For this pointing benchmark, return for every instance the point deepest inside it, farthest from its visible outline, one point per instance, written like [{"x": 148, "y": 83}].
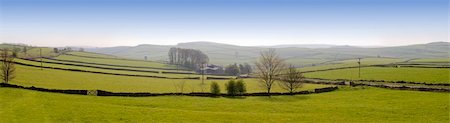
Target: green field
[
  {"x": 444, "y": 60},
  {"x": 428, "y": 75},
  {"x": 351, "y": 63},
  {"x": 89, "y": 54},
  {"x": 116, "y": 61},
  {"x": 109, "y": 66},
  {"x": 60, "y": 79},
  {"x": 346, "y": 105},
  {"x": 107, "y": 70}
]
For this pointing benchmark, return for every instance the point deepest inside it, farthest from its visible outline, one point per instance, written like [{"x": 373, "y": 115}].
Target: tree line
[
  {"x": 189, "y": 58},
  {"x": 235, "y": 69}
]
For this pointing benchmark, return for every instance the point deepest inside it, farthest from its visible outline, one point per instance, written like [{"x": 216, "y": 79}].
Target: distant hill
[
  {"x": 302, "y": 46},
  {"x": 228, "y": 54}
]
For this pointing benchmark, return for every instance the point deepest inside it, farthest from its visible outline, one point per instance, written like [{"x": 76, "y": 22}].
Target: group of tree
[
  {"x": 15, "y": 52},
  {"x": 234, "y": 69},
  {"x": 233, "y": 87},
  {"x": 271, "y": 68},
  {"x": 189, "y": 58},
  {"x": 62, "y": 50}
]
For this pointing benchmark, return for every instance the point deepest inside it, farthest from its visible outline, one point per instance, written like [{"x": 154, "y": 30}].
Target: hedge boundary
[
  {"x": 122, "y": 69},
  {"x": 130, "y": 94},
  {"x": 378, "y": 65},
  {"x": 387, "y": 81},
  {"x": 81, "y": 62},
  {"x": 124, "y": 59},
  {"x": 410, "y": 65},
  {"x": 401, "y": 87},
  {"x": 387, "y": 86},
  {"x": 118, "y": 74}
]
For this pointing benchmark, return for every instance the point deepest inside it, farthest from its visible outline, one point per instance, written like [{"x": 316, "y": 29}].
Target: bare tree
[
  {"x": 188, "y": 58},
  {"x": 269, "y": 67},
  {"x": 291, "y": 80},
  {"x": 7, "y": 66},
  {"x": 180, "y": 86}
]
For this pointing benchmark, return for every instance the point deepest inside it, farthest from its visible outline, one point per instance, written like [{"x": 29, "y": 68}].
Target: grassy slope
[
  {"x": 92, "y": 54},
  {"x": 444, "y": 60},
  {"x": 345, "y": 105},
  {"x": 429, "y": 75},
  {"x": 106, "y": 70},
  {"x": 106, "y": 66},
  {"x": 226, "y": 54},
  {"x": 115, "y": 62}
]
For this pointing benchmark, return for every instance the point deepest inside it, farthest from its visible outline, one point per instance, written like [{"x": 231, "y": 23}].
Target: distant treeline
[{"x": 189, "y": 58}]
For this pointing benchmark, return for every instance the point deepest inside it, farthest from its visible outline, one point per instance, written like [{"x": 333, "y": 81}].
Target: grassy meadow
[
  {"x": 89, "y": 54},
  {"x": 109, "y": 66},
  {"x": 108, "y": 70},
  {"x": 345, "y": 105},
  {"x": 115, "y": 61},
  {"x": 60, "y": 79},
  {"x": 428, "y": 75},
  {"x": 351, "y": 63}
]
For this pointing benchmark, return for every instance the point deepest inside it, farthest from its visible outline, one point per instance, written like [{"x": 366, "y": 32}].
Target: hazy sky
[{"x": 240, "y": 22}]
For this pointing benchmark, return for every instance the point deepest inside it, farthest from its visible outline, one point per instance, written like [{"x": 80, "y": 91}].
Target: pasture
[
  {"x": 60, "y": 79},
  {"x": 428, "y": 75},
  {"x": 115, "y": 61},
  {"x": 351, "y": 63},
  {"x": 345, "y": 105}
]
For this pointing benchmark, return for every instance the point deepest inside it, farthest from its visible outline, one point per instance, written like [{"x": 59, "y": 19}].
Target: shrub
[
  {"x": 215, "y": 89},
  {"x": 231, "y": 88},
  {"x": 235, "y": 87},
  {"x": 240, "y": 87}
]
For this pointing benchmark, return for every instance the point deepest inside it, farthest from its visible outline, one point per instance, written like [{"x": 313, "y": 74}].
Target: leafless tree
[
  {"x": 7, "y": 66},
  {"x": 269, "y": 67},
  {"x": 180, "y": 86},
  {"x": 291, "y": 79},
  {"x": 188, "y": 58}
]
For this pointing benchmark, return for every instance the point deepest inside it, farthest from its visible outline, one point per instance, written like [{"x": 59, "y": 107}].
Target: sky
[{"x": 105, "y": 23}]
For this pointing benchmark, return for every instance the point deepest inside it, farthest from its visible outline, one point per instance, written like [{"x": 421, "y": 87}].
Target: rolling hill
[{"x": 227, "y": 54}]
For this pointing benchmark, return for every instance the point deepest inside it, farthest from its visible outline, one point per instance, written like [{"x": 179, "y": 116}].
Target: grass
[
  {"x": 59, "y": 79},
  {"x": 362, "y": 104},
  {"x": 345, "y": 105},
  {"x": 107, "y": 66},
  {"x": 116, "y": 61},
  {"x": 306, "y": 61},
  {"x": 108, "y": 70},
  {"x": 352, "y": 63},
  {"x": 428, "y": 75},
  {"x": 444, "y": 60},
  {"x": 89, "y": 54}
]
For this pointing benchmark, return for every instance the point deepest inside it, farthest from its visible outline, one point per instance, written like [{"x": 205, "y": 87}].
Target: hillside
[{"x": 227, "y": 54}]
